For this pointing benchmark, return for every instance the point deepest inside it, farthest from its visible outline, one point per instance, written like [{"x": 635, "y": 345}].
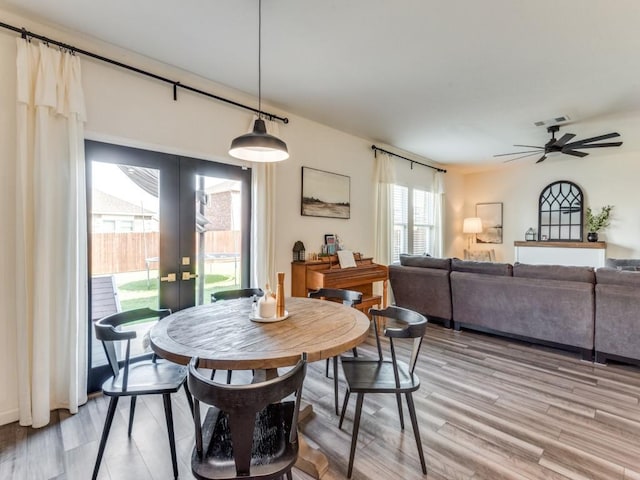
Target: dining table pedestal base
[{"x": 311, "y": 460}]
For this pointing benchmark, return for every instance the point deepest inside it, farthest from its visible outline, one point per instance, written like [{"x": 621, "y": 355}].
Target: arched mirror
[{"x": 560, "y": 212}]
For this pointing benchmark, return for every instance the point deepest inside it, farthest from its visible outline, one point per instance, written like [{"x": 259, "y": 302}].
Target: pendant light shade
[{"x": 259, "y": 146}]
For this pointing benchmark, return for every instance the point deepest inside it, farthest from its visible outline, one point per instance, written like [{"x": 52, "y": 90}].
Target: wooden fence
[{"x": 127, "y": 251}]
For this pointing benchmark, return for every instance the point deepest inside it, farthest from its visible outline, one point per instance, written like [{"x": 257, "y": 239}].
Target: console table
[
  {"x": 314, "y": 274},
  {"x": 590, "y": 254}
]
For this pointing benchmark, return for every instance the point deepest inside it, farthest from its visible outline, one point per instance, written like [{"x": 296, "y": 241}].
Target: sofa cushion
[
  {"x": 425, "y": 261},
  {"x": 613, "y": 276},
  {"x": 622, "y": 263},
  {"x": 488, "y": 268},
  {"x": 555, "y": 272}
]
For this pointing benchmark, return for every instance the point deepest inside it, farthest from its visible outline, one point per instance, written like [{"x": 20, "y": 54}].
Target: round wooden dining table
[{"x": 224, "y": 338}]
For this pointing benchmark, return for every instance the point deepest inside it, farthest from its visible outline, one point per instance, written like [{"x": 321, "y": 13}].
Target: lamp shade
[
  {"x": 259, "y": 146},
  {"x": 472, "y": 225}
]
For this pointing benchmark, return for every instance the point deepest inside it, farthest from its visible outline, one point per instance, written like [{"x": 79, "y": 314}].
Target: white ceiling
[{"x": 455, "y": 81}]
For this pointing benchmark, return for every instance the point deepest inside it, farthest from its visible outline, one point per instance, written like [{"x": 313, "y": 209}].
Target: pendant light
[{"x": 258, "y": 145}]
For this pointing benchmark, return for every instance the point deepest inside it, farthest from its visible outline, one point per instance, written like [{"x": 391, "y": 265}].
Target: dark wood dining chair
[
  {"x": 349, "y": 298},
  {"x": 152, "y": 377},
  {"x": 247, "y": 431},
  {"x": 232, "y": 295},
  {"x": 381, "y": 375}
]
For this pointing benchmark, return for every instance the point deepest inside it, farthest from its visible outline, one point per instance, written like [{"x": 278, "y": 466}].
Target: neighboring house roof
[{"x": 106, "y": 204}]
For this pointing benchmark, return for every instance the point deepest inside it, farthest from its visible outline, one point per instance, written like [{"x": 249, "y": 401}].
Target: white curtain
[
  {"x": 51, "y": 278},
  {"x": 263, "y": 218},
  {"x": 437, "y": 188},
  {"x": 384, "y": 178}
]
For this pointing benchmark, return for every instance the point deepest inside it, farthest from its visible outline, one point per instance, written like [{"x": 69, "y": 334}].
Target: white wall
[
  {"x": 129, "y": 109},
  {"x": 606, "y": 177},
  {"x": 8, "y": 394}
]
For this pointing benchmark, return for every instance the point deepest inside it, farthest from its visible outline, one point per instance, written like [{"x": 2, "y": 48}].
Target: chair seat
[
  {"x": 147, "y": 378},
  {"x": 366, "y": 375},
  {"x": 271, "y": 451}
]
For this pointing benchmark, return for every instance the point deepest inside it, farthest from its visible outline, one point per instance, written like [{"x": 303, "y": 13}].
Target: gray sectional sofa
[
  {"x": 546, "y": 303},
  {"x": 421, "y": 283},
  {"x": 576, "y": 307},
  {"x": 617, "y": 329}
]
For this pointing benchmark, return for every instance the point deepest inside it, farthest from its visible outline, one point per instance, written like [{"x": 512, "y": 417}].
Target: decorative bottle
[{"x": 280, "y": 295}]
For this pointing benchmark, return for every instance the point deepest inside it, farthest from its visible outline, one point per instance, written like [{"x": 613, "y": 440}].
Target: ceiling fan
[{"x": 562, "y": 145}]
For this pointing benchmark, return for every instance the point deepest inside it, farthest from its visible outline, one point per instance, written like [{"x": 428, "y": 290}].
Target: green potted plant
[{"x": 597, "y": 222}]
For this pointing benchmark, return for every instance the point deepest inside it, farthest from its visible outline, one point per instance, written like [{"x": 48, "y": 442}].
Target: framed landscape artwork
[
  {"x": 325, "y": 194},
  {"x": 491, "y": 216}
]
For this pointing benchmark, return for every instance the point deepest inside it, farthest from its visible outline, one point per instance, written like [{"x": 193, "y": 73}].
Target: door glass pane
[
  {"x": 125, "y": 242},
  {"x": 218, "y": 236}
]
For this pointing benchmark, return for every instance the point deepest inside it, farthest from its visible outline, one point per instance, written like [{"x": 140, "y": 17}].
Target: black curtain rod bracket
[
  {"x": 378, "y": 149},
  {"x": 24, "y": 33}
]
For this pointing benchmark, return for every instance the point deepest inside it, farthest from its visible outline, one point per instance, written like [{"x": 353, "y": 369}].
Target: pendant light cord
[{"x": 260, "y": 58}]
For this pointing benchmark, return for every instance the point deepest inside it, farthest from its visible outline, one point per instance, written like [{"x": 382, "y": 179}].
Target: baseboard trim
[{"x": 9, "y": 416}]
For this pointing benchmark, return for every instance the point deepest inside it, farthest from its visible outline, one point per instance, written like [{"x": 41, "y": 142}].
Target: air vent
[{"x": 552, "y": 121}]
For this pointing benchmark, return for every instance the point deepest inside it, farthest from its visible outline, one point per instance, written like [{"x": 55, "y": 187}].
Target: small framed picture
[{"x": 330, "y": 242}]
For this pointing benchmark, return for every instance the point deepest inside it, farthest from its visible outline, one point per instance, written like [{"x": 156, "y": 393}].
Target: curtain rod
[
  {"x": 27, "y": 34},
  {"x": 378, "y": 149}
]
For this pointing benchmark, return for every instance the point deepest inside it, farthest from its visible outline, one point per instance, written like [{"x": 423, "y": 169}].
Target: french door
[{"x": 165, "y": 231}]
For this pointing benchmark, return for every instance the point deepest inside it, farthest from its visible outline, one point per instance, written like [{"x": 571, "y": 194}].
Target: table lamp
[{"x": 471, "y": 226}]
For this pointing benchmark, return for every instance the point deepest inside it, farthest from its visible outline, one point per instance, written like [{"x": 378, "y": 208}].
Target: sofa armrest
[{"x": 425, "y": 290}]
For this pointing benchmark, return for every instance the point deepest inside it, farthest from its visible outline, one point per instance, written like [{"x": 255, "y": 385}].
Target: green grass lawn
[{"x": 136, "y": 292}]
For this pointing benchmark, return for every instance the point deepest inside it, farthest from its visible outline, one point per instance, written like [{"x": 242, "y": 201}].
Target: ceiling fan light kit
[
  {"x": 258, "y": 145},
  {"x": 563, "y": 145}
]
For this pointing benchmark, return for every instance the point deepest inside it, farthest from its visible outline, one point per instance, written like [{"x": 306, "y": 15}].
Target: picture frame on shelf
[
  {"x": 325, "y": 194},
  {"x": 330, "y": 242}
]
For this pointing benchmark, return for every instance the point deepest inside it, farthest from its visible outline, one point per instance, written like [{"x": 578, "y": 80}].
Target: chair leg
[
  {"x": 229, "y": 372},
  {"x": 344, "y": 407},
  {"x": 213, "y": 373},
  {"x": 132, "y": 411},
  {"x": 335, "y": 384},
  {"x": 326, "y": 369},
  {"x": 289, "y": 476},
  {"x": 113, "y": 403},
  {"x": 166, "y": 397},
  {"x": 189, "y": 398},
  {"x": 354, "y": 435},
  {"x": 416, "y": 432},
  {"x": 399, "y": 400},
  {"x": 355, "y": 352}
]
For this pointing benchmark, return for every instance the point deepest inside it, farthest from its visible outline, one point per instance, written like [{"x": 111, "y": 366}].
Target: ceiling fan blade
[
  {"x": 516, "y": 153},
  {"x": 593, "y": 139},
  {"x": 596, "y": 145},
  {"x": 564, "y": 139},
  {"x": 530, "y": 146},
  {"x": 523, "y": 156},
  {"x": 542, "y": 158},
  {"x": 575, "y": 153}
]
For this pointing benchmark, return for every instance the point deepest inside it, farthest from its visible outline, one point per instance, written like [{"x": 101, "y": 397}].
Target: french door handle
[
  {"x": 188, "y": 276},
  {"x": 171, "y": 277}
]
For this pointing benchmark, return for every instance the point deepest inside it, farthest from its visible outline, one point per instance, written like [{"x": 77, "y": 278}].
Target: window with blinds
[{"x": 413, "y": 222}]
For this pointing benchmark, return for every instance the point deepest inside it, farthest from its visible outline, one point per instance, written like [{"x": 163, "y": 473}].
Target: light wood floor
[{"x": 489, "y": 409}]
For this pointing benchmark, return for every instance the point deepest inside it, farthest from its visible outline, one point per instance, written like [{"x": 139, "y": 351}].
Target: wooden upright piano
[{"x": 326, "y": 273}]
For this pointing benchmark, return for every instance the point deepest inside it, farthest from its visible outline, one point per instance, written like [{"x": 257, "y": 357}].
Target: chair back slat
[
  {"x": 108, "y": 332},
  {"x": 415, "y": 351},
  {"x": 347, "y": 297},
  {"x": 241, "y": 403},
  {"x": 412, "y": 325},
  {"x": 238, "y": 293}
]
